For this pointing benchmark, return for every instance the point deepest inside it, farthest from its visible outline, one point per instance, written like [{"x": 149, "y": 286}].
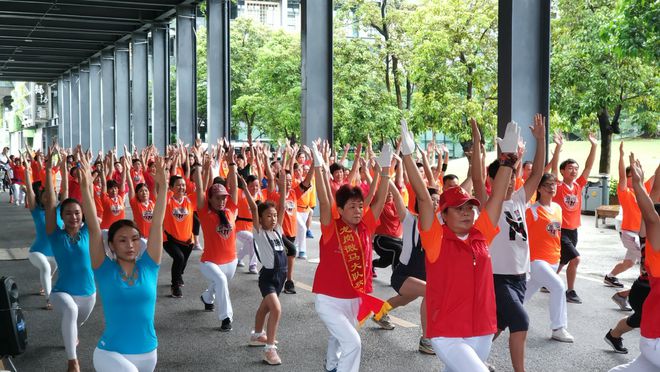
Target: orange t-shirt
[
  {"x": 632, "y": 216},
  {"x": 289, "y": 224},
  {"x": 569, "y": 198},
  {"x": 137, "y": 177},
  {"x": 142, "y": 215},
  {"x": 519, "y": 183},
  {"x": 412, "y": 197},
  {"x": 98, "y": 200},
  {"x": 544, "y": 232},
  {"x": 219, "y": 239},
  {"x": 179, "y": 217},
  {"x": 244, "y": 212},
  {"x": 307, "y": 200},
  {"x": 113, "y": 210}
]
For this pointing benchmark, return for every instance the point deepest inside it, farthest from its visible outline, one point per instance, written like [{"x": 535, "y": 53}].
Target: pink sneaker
[
  {"x": 257, "y": 339},
  {"x": 270, "y": 356}
]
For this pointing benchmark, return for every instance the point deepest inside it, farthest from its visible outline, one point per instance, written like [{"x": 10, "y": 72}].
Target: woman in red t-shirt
[
  {"x": 113, "y": 201},
  {"x": 142, "y": 205}
]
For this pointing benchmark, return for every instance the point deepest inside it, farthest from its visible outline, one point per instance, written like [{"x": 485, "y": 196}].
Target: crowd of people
[{"x": 474, "y": 251}]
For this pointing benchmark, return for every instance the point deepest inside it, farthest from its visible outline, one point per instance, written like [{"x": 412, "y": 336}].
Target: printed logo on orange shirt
[
  {"x": 224, "y": 230},
  {"x": 570, "y": 201},
  {"x": 179, "y": 213},
  {"x": 116, "y": 209},
  {"x": 553, "y": 228},
  {"x": 289, "y": 206},
  {"x": 148, "y": 215}
]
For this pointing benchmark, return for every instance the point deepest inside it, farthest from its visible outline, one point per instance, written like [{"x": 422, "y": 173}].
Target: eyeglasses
[{"x": 548, "y": 185}]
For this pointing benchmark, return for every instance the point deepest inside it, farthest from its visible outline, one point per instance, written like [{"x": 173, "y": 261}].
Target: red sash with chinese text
[{"x": 352, "y": 253}]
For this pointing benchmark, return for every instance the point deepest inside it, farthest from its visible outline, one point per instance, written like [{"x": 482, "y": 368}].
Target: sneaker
[
  {"x": 226, "y": 325},
  {"x": 270, "y": 356},
  {"x": 622, "y": 302},
  {"x": 309, "y": 234},
  {"x": 384, "y": 322},
  {"x": 562, "y": 335},
  {"x": 302, "y": 255},
  {"x": 207, "y": 307},
  {"x": 253, "y": 269},
  {"x": 257, "y": 339},
  {"x": 612, "y": 281},
  {"x": 289, "y": 287},
  {"x": 240, "y": 263},
  {"x": 176, "y": 291},
  {"x": 616, "y": 343},
  {"x": 197, "y": 247},
  {"x": 572, "y": 297},
  {"x": 425, "y": 346},
  {"x": 544, "y": 290}
]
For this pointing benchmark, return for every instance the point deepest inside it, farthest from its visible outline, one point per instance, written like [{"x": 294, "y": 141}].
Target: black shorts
[
  {"x": 509, "y": 297},
  {"x": 396, "y": 281},
  {"x": 289, "y": 245},
  {"x": 638, "y": 293},
  {"x": 271, "y": 281},
  {"x": 569, "y": 239}
]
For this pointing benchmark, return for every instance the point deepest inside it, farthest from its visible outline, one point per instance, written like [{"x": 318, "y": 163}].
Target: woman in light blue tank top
[
  {"x": 127, "y": 277},
  {"x": 74, "y": 293}
]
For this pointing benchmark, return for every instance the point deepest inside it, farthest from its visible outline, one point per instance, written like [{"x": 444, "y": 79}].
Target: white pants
[
  {"x": 344, "y": 345},
  {"x": 74, "y": 310},
  {"x": 246, "y": 246},
  {"x": 219, "y": 277},
  {"x": 647, "y": 361},
  {"x": 110, "y": 361},
  {"x": 542, "y": 274},
  {"x": 463, "y": 354},
  {"x": 44, "y": 264},
  {"x": 19, "y": 193},
  {"x": 301, "y": 234}
]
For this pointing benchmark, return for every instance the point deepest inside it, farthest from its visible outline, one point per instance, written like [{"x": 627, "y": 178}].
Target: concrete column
[
  {"x": 95, "y": 104},
  {"x": 160, "y": 90},
  {"x": 523, "y": 77},
  {"x": 61, "y": 108},
  {"x": 74, "y": 103},
  {"x": 218, "y": 104},
  {"x": 122, "y": 96},
  {"x": 316, "y": 49},
  {"x": 108, "y": 99},
  {"x": 83, "y": 100},
  {"x": 139, "y": 93},
  {"x": 186, "y": 79}
]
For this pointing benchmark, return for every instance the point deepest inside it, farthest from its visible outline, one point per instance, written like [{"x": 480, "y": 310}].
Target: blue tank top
[
  {"x": 128, "y": 309},
  {"x": 41, "y": 243},
  {"x": 75, "y": 267}
]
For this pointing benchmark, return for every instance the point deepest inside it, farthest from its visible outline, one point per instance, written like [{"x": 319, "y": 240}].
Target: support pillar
[
  {"x": 316, "y": 49},
  {"x": 122, "y": 96},
  {"x": 523, "y": 50},
  {"x": 160, "y": 94},
  {"x": 74, "y": 103},
  {"x": 139, "y": 93},
  {"x": 64, "y": 127},
  {"x": 218, "y": 104},
  {"x": 95, "y": 104},
  {"x": 108, "y": 99},
  {"x": 186, "y": 63},
  {"x": 83, "y": 100}
]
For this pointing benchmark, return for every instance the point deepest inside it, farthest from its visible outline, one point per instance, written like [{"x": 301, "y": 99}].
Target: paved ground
[{"x": 190, "y": 340}]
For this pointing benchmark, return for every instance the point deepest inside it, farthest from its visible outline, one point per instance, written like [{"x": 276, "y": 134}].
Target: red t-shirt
[
  {"x": 142, "y": 215},
  {"x": 74, "y": 189},
  {"x": 650, "y": 327},
  {"x": 569, "y": 198},
  {"x": 113, "y": 210},
  {"x": 331, "y": 278},
  {"x": 98, "y": 200},
  {"x": 219, "y": 239},
  {"x": 390, "y": 224}
]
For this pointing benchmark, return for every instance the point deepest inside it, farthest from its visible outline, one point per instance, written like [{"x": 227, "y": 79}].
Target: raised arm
[
  {"x": 64, "y": 173},
  {"x": 538, "y": 131},
  {"x": 622, "y": 170},
  {"x": 477, "y": 172},
  {"x": 553, "y": 165},
  {"x": 649, "y": 215},
  {"x": 155, "y": 242},
  {"x": 30, "y": 198},
  {"x": 424, "y": 202},
  {"x": 201, "y": 191},
  {"x": 230, "y": 158},
  {"x": 430, "y": 178},
  {"x": 591, "y": 158},
  {"x": 96, "y": 249},
  {"x": 508, "y": 159},
  {"x": 51, "y": 202},
  {"x": 269, "y": 176},
  {"x": 325, "y": 207},
  {"x": 356, "y": 160},
  {"x": 398, "y": 201},
  {"x": 129, "y": 179}
]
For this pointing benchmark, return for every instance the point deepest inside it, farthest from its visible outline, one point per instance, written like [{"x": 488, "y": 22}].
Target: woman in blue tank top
[
  {"x": 127, "y": 277},
  {"x": 74, "y": 293}
]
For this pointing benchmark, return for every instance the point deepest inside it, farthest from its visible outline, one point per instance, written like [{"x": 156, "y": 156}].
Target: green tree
[{"x": 636, "y": 28}]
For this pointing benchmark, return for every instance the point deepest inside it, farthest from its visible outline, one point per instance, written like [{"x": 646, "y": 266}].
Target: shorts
[
  {"x": 396, "y": 281},
  {"x": 289, "y": 245},
  {"x": 271, "y": 281},
  {"x": 638, "y": 293},
  {"x": 630, "y": 240},
  {"x": 509, "y": 297},
  {"x": 569, "y": 239}
]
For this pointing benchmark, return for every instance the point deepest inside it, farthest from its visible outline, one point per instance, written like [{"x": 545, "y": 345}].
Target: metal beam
[
  {"x": 316, "y": 35},
  {"x": 139, "y": 93},
  {"x": 95, "y": 104},
  {"x": 74, "y": 103},
  {"x": 523, "y": 50},
  {"x": 83, "y": 100},
  {"x": 108, "y": 100},
  {"x": 122, "y": 96},
  {"x": 186, "y": 97},
  {"x": 160, "y": 94},
  {"x": 218, "y": 106}
]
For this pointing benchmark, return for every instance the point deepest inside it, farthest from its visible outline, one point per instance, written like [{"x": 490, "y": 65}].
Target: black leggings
[
  {"x": 196, "y": 224},
  {"x": 638, "y": 293},
  {"x": 179, "y": 253},
  {"x": 389, "y": 250}
]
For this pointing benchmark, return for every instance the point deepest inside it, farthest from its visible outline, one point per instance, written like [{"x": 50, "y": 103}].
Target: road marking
[{"x": 398, "y": 321}]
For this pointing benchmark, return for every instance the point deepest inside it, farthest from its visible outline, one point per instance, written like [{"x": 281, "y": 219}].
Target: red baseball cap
[
  {"x": 455, "y": 197},
  {"x": 217, "y": 188}
]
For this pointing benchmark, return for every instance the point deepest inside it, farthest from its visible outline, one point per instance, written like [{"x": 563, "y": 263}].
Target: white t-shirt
[
  {"x": 410, "y": 234},
  {"x": 510, "y": 249},
  {"x": 265, "y": 242}
]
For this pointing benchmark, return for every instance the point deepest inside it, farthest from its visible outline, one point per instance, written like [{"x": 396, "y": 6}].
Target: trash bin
[{"x": 596, "y": 193}]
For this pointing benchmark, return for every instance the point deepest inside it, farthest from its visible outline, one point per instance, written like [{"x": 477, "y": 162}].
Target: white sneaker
[{"x": 562, "y": 335}]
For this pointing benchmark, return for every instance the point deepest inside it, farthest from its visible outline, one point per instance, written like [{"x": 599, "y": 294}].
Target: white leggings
[
  {"x": 301, "y": 233},
  {"x": 647, "y": 361},
  {"x": 344, "y": 344},
  {"x": 19, "y": 193},
  {"x": 463, "y": 354},
  {"x": 246, "y": 246},
  {"x": 74, "y": 310},
  {"x": 111, "y": 361},
  {"x": 218, "y": 277},
  {"x": 44, "y": 264},
  {"x": 542, "y": 274}
]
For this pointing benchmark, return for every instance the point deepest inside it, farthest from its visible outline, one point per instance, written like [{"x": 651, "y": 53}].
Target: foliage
[{"x": 635, "y": 29}]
